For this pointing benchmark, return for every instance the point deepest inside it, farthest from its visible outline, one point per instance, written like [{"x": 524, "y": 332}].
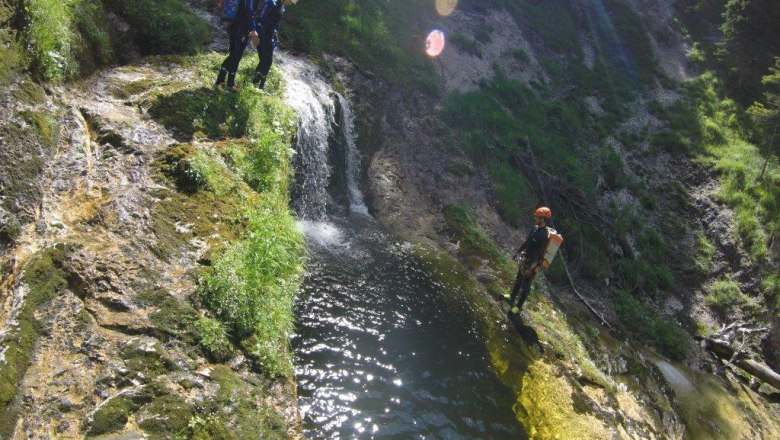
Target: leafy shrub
[
  {"x": 725, "y": 294},
  {"x": 163, "y": 26},
  {"x": 62, "y": 32},
  {"x": 638, "y": 319},
  {"x": 214, "y": 339}
]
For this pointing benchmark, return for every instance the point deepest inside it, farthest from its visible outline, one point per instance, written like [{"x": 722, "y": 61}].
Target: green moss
[
  {"x": 45, "y": 124},
  {"x": 166, "y": 417},
  {"x": 126, "y": 90},
  {"x": 705, "y": 251},
  {"x": 30, "y": 92},
  {"x": 247, "y": 417},
  {"x": 146, "y": 359},
  {"x": 191, "y": 111},
  {"x": 175, "y": 318},
  {"x": 10, "y": 228},
  {"x": 111, "y": 417},
  {"x": 45, "y": 279},
  {"x": 208, "y": 428}
]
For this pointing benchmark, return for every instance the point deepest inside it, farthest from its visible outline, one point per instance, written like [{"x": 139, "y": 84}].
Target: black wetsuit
[
  {"x": 534, "y": 247},
  {"x": 239, "y": 37},
  {"x": 268, "y": 27}
]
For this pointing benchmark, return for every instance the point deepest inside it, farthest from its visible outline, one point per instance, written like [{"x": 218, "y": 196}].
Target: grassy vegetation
[
  {"x": 705, "y": 251},
  {"x": 473, "y": 239},
  {"x": 62, "y": 35},
  {"x": 725, "y": 295},
  {"x": 252, "y": 281},
  {"x": 46, "y": 279},
  {"x": 640, "y": 321},
  {"x": 714, "y": 130},
  {"x": 11, "y": 57}
]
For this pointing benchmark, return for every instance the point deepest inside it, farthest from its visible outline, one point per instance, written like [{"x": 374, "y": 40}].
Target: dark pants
[
  {"x": 230, "y": 65},
  {"x": 265, "y": 53},
  {"x": 522, "y": 284}
]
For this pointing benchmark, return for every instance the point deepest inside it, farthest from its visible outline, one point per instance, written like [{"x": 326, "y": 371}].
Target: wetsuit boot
[
  {"x": 259, "y": 80},
  {"x": 231, "y": 81},
  {"x": 220, "y": 78}
]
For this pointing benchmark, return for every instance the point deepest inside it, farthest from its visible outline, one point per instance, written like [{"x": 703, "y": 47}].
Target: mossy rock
[
  {"x": 146, "y": 358},
  {"x": 10, "y": 228},
  {"x": 132, "y": 88},
  {"x": 111, "y": 417},
  {"x": 165, "y": 417},
  {"x": 191, "y": 111},
  {"x": 45, "y": 278},
  {"x": 163, "y": 26},
  {"x": 172, "y": 317},
  {"x": 45, "y": 125},
  {"x": 247, "y": 419},
  {"x": 29, "y": 92}
]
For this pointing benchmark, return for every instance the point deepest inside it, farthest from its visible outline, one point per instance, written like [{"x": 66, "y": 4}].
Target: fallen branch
[
  {"x": 603, "y": 320},
  {"x": 742, "y": 360}
]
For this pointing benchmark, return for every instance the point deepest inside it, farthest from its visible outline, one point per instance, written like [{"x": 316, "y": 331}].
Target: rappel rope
[{"x": 582, "y": 298}]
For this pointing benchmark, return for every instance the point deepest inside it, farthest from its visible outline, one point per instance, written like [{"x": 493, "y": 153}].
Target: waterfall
[
  {"x": 352, "y": 154},
  {"x": 312, "y": 98}
]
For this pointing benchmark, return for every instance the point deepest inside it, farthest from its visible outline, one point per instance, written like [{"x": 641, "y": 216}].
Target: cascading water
[
  {"x": 310, "y": 96},
  {"x": 383, "y": 350},
  {"x": 356, "y": 203}
]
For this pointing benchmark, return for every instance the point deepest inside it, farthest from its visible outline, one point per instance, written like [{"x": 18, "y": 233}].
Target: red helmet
[{"x": 543, "y": 212}]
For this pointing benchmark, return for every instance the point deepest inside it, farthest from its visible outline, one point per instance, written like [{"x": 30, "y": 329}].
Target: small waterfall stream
[{"x": 383, "y": 350}]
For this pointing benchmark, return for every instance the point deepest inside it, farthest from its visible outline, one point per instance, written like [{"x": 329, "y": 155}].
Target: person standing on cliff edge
[
  {"x": 530, "y": 256},
  {"x": 268, "y": 27},
  {"x": 242, "y": 30}
]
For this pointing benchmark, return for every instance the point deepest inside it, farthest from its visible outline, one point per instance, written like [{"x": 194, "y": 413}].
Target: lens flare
[
  {"x": 434, "y": 44},
  {"x": 446, "y": 7}
]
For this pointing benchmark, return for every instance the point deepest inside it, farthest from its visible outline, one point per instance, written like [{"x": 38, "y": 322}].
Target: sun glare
[
  {"x": 446, "y": 7},
  {"x": 434, "y": 44}
]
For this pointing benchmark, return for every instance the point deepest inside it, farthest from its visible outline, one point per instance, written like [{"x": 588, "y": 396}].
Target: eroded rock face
[{"x": 116, "y": 348}]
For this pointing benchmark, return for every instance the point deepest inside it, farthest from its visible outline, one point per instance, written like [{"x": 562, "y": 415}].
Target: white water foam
[{"x": 324, "y": 234}]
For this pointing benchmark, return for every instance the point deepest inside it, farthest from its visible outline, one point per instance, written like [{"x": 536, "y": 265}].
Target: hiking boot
[
  {"x": 513, "y": 311},
  {"x": 507, "y": 297},
  {"x": 217, "y": 87}
]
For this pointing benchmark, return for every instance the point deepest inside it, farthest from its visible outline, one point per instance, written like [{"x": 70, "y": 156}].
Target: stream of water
[{"x": 380, "y": 353}]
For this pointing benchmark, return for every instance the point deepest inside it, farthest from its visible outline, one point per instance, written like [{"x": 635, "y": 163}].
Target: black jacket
[{"x": 534, "y": 245}]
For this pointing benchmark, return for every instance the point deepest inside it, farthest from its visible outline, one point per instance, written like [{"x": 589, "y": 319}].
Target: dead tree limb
[{"x": 742, "y": 360}]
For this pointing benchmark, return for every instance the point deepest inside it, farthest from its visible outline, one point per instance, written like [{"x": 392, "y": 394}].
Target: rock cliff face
[
  {"x": 414, "y": 173},
  {"x": 99, "y": 331}
]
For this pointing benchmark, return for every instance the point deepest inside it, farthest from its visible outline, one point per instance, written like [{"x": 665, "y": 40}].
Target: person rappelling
[
  {"x": 242, "y": 28},
  {"x": 268, "y": 26},
  {"x": 535, "y": 254}
]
